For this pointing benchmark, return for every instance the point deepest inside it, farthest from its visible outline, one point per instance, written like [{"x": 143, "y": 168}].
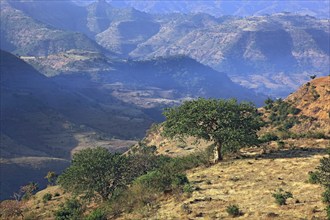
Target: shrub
[
  {"x": 281, "y": 196},
  {"x": 179, "y": 180},
  {"x": 268, "y": 137},
  {"x": 72, "y": 209},
  {"x": 328, "y": 211},
  {"x": 162, "y": 181},
  {"x": 51, "y": 177},
  {"x": 29, "y": 190},
  {"x": 47, "y": 197},
  {"x": 326, "y": 196},
  {"x": 233, "y": 210},
  {"x": 91, "y": 172},
  {"x": 313, "y": 177},
  {"x": 136, "y": 197},
  {"x": 97, "y": 214},
  {"x": 324, "y": 172},
  {"x": 187, "y": 188},
  {"x": 280, "y": 144}
]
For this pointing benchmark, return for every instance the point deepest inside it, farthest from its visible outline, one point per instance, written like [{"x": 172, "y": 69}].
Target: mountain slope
[
  {"x": 266, "y": 53},
  {"x": 240, "y": 8},
  {"x": 64, "y": 15},
  {"x": 313, "y": 98},
  {"x": 150, "y": 83},
  {"x": 24, "y": 35},
  {"x": 43, "y": 123},
  {"x": 272, "y": 54}
]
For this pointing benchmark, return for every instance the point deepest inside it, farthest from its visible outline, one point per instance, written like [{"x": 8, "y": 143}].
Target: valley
[{"x": 100, "y": 77}]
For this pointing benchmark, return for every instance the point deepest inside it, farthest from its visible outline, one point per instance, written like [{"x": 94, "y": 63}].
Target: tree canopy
[
  {"x": 94, "y": 171},
  {"x": 229, "y": 124}
]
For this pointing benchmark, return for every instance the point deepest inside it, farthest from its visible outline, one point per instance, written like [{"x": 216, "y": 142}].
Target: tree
[
  {"x": 312, "y": 77},
  {"x": 323, "y": 177},
  {"x": 29, "y": 189},
  {"x": 94, "y": 172},
  {"x": 269, "y": 103},
  {"x": 51, "y": 177},
  {"x": 230, "y": 125}
]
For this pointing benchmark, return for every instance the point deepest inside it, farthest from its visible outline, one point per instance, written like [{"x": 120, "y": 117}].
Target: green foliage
[
  {"x": 328, "y": 211},
  {"x": 71, "y": 210},
  {"x": 269, "y": 103},
  {"x": 97, "y": 214},
  {"x": 137, "y": 197},
  {"x": 47, "y": 197},
  {"x": 309, "y": 134},
  {"x": 324, "y": 172},
  {"x": 268, "y": 137},
  {"x": 280, "y": 144},
  {"x": 187, "y": 188},
  {"x": 162, "y": 181},
  {"x": 313, "y": 177},
  {"x": 315, "y": 94},
  {"x": 165, "y": 175},
  {"x": 141, "y": 160},
  {"x": 312, "y": 76},
  {"x": 95, "y": 172},
  {"x": 279, "y": 115},
  {"x": 28, "y": 190},
  {"x": 229, "y": 124},
  {"x": 51, "y": 177},
  {"x": 281, "y": 196},
  {"x": 326, "y": 196},
  {"x": 233, "y": 210}
]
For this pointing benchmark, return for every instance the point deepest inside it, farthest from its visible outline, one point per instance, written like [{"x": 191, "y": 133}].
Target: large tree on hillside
[
  {"x": 229, "y": 124},
  {"x": 94, "y": 172}
]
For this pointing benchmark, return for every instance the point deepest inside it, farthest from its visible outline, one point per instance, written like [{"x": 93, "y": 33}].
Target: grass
[
  {"x": 253, "y": 192},
  {"x": 258, "y": 176}
]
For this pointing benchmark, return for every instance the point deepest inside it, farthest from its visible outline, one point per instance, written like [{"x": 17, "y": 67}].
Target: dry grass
[{"x": 249, "y": 183}]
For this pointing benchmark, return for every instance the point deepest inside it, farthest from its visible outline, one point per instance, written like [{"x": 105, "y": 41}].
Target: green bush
[
  {"x": 328, "y": 212},
  {"x": 281, "y": 196},
  {"x": 47, "y": 197},
  {"x": 268, "y": 137},
  {"x": 72, "y": 209},
  {"x": 187, "y": 188},
  {"x": 91, "y": 172},
  {"x": 162, "y": 181},
  {"x": 179, "y": 180},
  {"x": 326, "y": 196},
  {"x": 280, "y": 144},
  {"x": 233, "y": 210},
  {"x": 313, "y": 177},
  {"x": 97, "y": 214}
]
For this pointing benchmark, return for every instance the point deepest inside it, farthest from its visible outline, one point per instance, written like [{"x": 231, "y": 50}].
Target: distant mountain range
[
  {"x": 272, "y": 54},
  {"x": 223, "y": 7}
]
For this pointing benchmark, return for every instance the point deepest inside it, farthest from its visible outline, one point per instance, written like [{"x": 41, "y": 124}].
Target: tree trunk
[{"x": 217, "y": 156}]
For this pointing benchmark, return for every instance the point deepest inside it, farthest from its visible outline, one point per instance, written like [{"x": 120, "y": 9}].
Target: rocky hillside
[
  {"x": 313, "y": 98},
  {"x": 25, "y": 35}
]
